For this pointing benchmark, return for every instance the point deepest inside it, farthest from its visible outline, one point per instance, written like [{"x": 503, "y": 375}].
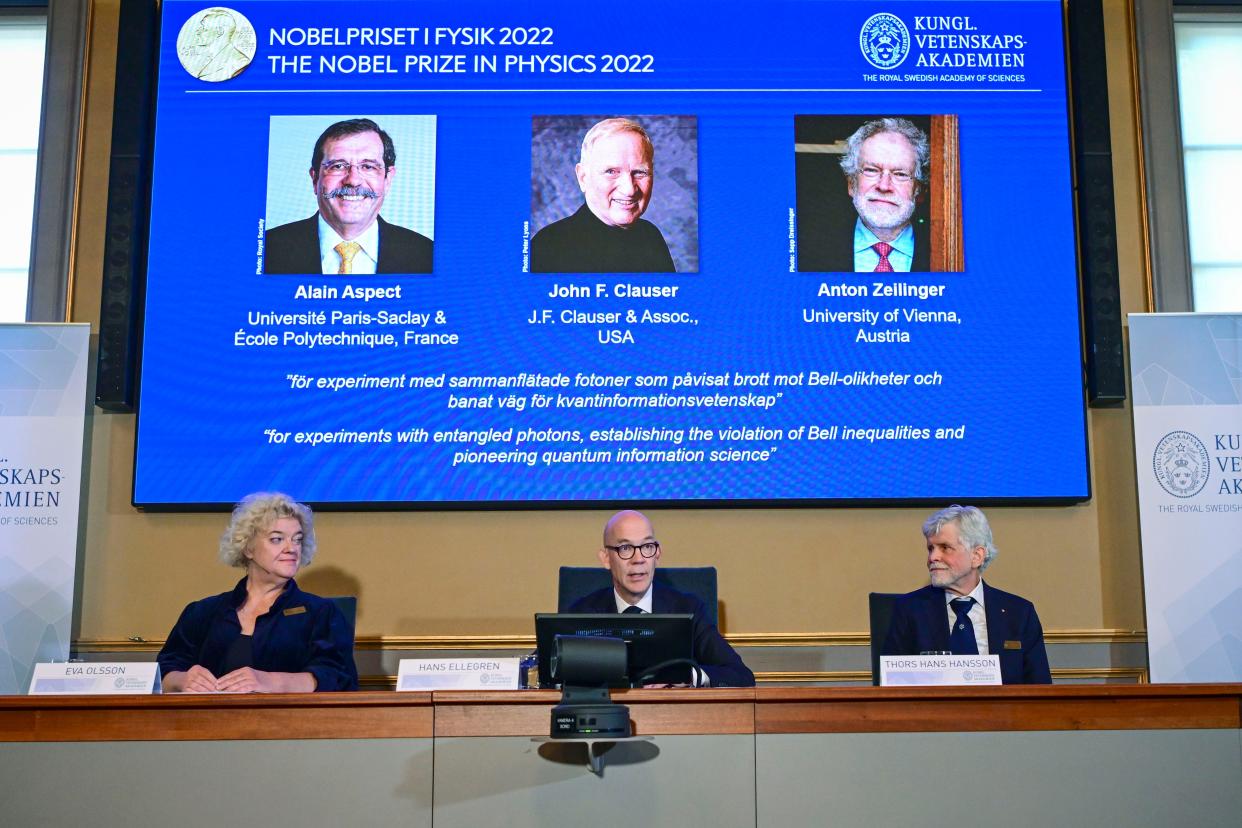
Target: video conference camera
[{"x": 585, "y": 666}]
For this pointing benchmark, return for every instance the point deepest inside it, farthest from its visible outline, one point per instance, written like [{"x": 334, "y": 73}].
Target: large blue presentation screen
[{"x": 468, "y": 253}]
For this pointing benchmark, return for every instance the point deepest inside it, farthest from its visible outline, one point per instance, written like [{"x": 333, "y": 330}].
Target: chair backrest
[
  {"x": 699, "y": 581},
  {"x": 348, "y": 605},
  {"x": 881, "y": 606}
]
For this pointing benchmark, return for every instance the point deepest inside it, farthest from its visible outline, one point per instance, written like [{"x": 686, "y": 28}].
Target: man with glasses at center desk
[{"x": 631, "y": 552}]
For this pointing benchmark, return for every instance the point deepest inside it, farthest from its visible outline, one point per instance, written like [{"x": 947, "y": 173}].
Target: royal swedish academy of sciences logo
[
  {"x": 1181, "y": 464},
  {"x": 884, "y": 40}
]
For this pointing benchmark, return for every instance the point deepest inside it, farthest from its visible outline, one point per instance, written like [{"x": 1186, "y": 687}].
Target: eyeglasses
[
  {"x": 340, "y": 168},
  {"x": 873, "y": 174},
  {"x": 625, "y": 551}
]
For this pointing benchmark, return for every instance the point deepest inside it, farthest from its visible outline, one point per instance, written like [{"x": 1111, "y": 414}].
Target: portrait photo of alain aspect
[
  {"x": 350, "y": 194},
  {"x": 614, "y": 194},
  {"x": 878, "y": 193}
]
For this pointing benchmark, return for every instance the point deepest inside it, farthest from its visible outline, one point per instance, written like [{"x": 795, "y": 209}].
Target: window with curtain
[
  {"x": 21, "y": 65},
  {"x": 1209, "y": 71}
]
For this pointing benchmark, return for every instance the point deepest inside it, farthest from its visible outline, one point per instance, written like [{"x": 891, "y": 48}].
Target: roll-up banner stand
[
  {"x": 42, "y": 410},
  {"x": 1186, "y": 371}
]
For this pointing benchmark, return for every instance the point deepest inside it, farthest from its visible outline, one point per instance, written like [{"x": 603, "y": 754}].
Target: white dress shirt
[{"x": 643, "y": 603}]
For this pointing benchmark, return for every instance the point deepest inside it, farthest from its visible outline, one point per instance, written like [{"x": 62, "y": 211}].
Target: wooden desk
[
  {"x": 1013, "y": 708},
  {"x": 1143, "y": 755},
  {"x": 653, "y": 712},
  {"x": 1149, "y": 755},
  {"x": 189, "y": 717}
]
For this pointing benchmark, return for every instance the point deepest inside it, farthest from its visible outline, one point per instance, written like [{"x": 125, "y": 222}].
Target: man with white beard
[
  {"x": 958, "y": 613},
  {"x": 886, "y": 165}
]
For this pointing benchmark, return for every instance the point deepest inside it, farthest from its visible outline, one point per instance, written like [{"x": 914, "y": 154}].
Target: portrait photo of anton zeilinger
[{"x": 876, "y": 194}]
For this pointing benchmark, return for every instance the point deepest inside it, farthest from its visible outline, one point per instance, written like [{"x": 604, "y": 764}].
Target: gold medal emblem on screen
[{"x": 216, "y": 44}]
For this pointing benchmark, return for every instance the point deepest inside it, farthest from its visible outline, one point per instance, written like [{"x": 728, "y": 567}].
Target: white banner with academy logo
[
  {"x": 42, "y": 411},
  {"x": 1186, "y": 372}
]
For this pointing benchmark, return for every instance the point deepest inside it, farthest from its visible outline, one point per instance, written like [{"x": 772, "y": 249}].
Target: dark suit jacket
[
  {"x": 301, "y": 633},
  {"x": 920, "y": 623},
  {"x": 294, "y": 248},
  {"x": 715, "y": 657},
  {"x": 835, "y": 251}
]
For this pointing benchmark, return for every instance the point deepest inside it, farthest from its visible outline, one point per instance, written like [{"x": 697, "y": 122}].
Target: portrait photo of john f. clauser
[{"x": 614, "y": 194}]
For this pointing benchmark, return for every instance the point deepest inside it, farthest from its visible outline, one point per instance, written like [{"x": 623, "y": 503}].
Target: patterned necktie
[
  {"x": 962, "y": 638},
  {"x": 632, "y": 609},
  {"x": 884, "y": 265},
  {"x": 347, "y": 251}
]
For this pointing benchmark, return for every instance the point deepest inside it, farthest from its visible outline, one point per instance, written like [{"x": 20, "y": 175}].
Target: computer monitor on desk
[{"x": 650, "y": 640}]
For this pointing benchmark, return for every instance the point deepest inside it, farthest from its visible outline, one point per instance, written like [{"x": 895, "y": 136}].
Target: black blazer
[
  {"x": 301, "y": 633},
  {"x": 294, "y": 248},
  {"x": 921, "y": 624},
  {"x": 715, "y": 657}
]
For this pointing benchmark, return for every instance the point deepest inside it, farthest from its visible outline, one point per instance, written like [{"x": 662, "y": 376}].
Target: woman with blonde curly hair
[{"x": 266, "y": 635}]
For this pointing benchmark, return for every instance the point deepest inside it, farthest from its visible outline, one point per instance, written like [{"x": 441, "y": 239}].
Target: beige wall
[{"x": 484, "y": 573}]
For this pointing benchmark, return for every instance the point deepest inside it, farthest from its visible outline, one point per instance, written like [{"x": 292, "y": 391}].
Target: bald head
[
  {"x": 625, "y": 535},
  {"x": 626, "y": 520}
]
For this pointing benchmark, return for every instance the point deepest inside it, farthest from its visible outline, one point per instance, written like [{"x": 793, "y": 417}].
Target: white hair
[{"x": 972, "y": 529}]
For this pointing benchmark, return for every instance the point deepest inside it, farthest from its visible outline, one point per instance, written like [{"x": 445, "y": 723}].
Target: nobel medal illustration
[{"x": 216, "y": 44}]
